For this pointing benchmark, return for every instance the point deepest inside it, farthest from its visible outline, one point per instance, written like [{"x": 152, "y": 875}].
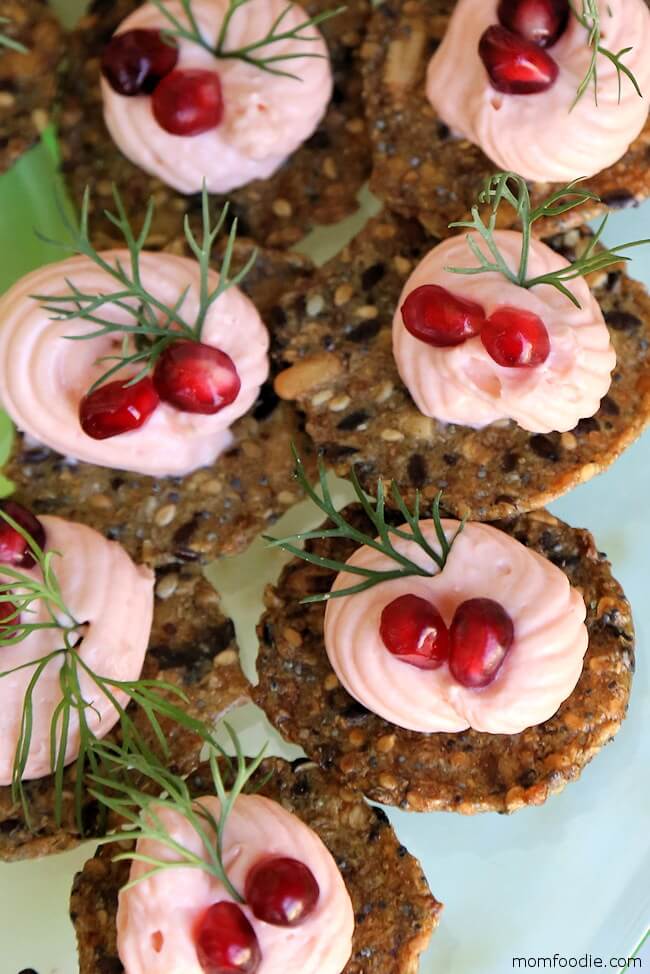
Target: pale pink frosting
[
  {"x": 161, "y": 912},
  {"x": 537, "y": 135},
  {"x": 266, "y": 117},
  {"x": 112, "y": 598},
  {"x": 465, "y": 385},
  {"x": 43, "y": 375},
  {"x": 540, "y": 671}
]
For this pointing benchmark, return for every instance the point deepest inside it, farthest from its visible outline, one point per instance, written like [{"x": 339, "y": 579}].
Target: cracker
[
  {"x": 318, "y": 184},
  {"x": 337, "y": 335},
  {"x": 215, "y": 510},
  {"x": 467, "y": 772},
  {"x": 27, "y": 80},
  {"x": 395, "y": 911},
  {"x": 193, "y": 647},
  {"x": 419, "y": 169}
]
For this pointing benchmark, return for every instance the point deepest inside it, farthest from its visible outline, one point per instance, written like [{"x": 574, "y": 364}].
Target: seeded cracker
[
  {"x": 395, "y": 911},
  {"x": 468, "y": 772},
  {"x": 27, "y": 79},
  {"x": 215, "y": 510},
  {"x": 192, "y": 646},
  {"x": 318, "y": 184},
  {"x": 419, "y": 168},
  {"x": 335, "y": 339}
]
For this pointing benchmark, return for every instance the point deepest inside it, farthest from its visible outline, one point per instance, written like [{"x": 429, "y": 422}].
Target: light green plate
[{"x": 570, "y": 879}]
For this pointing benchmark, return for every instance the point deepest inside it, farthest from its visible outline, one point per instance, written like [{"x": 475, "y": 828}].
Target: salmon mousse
[
  {"x": 449, "y": 661},
  {"x": 210, "y": 93}
]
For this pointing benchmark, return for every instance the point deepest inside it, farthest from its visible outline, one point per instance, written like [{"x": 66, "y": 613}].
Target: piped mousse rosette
[
  {"x": 30, "y": 51},
  {"x": 496, "y": 367},
  {"x": 90, "y": 657},
  {"x": 449, "y": 665},
  {"x": 236, "y": 96},
  {"x": 146, "y": 365},
  {"x": 550, "y": 89},
  {"x": 218, "y": 879}
]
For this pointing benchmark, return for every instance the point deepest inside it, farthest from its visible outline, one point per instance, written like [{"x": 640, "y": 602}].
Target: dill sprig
[
  {"x": 142, "y": 810},
  {"x": 151, "y": 325},
  {"x": 9, "y": 42},
  {"x": 42, "y": 597},
  {"x": 375, "y": 509},
  {"x": 510, "y": 188},
  {"x": 589, "y": 17},
  {"x": 253, "y": 53}
]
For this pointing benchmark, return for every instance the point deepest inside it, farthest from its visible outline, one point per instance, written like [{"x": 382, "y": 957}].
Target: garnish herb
[
  {"x": 151, "y": 325},
  {"x": 589, "y": 16},
  {"x": 510, "y": 188},
  {"x": 9, "y": 42},
  {"x": 142, "y": 810},
  {"x": 254, "y": 53},
  {"x": 375, "y": 510},
  {"x": 31, "y": 595}
]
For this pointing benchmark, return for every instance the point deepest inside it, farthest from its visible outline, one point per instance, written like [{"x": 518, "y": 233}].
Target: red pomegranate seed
[
  {"x": 281, "y": 891},
  {"x": 413, "y": 630},
  {"x": 7, "y": 610},
  {"x": 516, "y": 66},
  {"x": 226, "y": 942},
  {"x": 480, "y": 636},
  {"x": 196, "y": 378},
  {"x": 440, "y": 318},
  {"x": 516, "y": 339},
  {"x": 188, "y": 102},
  {"x": 540, "y": 21},
  {"x": 117, "y": 408},
  {"x": 134, "y": 62},
  {"x": 14, "y": 549}
]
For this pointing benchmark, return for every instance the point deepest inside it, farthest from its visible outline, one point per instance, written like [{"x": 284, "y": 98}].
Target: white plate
[{"x": 568, "y": 879}]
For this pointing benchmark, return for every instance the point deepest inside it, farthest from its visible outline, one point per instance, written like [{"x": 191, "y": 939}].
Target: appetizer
[
  {"x": 445, "y": 665},
  {"x": 146, "y": 372},
  {"x": 261, "y": 100},
  {"x": 550, "y": 89},
  {"x": 498, "y": 368},
  {"x": 84, "y": 632},
  {"x": 299, "y": 875},
  {"x": 30, "y": 50}
]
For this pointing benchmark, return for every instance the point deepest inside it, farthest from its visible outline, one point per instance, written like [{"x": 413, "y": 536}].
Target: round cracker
[
  {"x": 467, "y": 772},
  {"x": 394, "y": 909}
]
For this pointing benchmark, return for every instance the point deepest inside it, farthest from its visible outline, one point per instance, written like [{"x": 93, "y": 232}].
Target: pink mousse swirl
[
  {"x": 539, "y": 136},
  {"x": 112, "y": 600},
  {"x": 464, "y": 385},
  {"x": 43, "y": 375},
  {"x": 539, "y": 673},
  {"x": 266, "y": 116},
  {"x": 156, "y": 918}
]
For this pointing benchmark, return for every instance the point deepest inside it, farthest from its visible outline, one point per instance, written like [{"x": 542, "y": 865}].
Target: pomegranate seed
[
  {"x": 14, "y": 549},
  {"x": 413, "y": 630},
  {"x": 188, "y": 102},
  {"x": 196, "y": 378},
  {"x": 439, "y": 318},
  {"x": 281, "y": 891},
  {"x": 540, "y": 21},
  {"x": 134, "y": 62},
  {"x": 226, "y": 942},
  {"x": 8, "y": 610},
  {"x": 480, "y": 635},
  {"x": 117, "y": 408},
  {"x": 516, "y": 66},
  {"x": 516, "y": 339}
]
